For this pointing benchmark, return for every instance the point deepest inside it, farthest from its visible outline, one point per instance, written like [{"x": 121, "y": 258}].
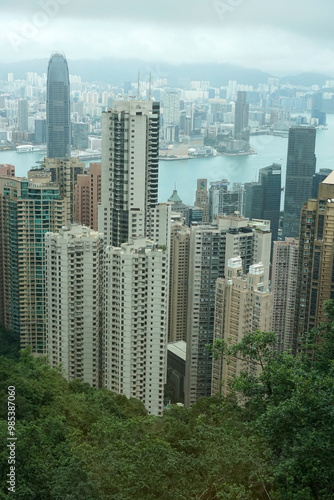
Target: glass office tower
[
  {"x": 58, "y": 118},
  {"x": 300, "y": 168}
]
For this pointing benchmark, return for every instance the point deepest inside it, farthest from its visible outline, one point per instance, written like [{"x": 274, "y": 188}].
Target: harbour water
[{"x": 183, "y": 174}]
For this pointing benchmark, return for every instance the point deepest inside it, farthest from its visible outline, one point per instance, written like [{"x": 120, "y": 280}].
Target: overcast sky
[{"x": 285, "y": 37}]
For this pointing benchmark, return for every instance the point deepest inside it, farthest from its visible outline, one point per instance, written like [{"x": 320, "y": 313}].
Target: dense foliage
[{"x": 75, "y": 442}]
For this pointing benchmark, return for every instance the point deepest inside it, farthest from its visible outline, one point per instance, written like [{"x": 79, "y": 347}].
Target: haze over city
[{"x": 288, "y": 38}]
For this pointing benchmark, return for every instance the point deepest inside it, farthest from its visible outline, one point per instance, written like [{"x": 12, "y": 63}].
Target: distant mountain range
[{"x": 116, "y": 71}]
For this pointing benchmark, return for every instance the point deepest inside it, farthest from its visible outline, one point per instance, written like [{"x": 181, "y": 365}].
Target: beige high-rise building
[
  {"x": 88, "y": 196},
  {"x": 242, "y": 305},
  {"x": 210, "y": 248},
  {"x": 135, "y": 321},
  {"x": 65, "y": 173},
  {"x": 73, "y": 306},
  {"x": 160, "y": 224},
  {"x": 283, "y": 286},
  {"x": 178, "y": 285},
  {"x": 202, "y": 199},
  {"x": 315, "y": 273},
  {"x": 27, "y": 211}
]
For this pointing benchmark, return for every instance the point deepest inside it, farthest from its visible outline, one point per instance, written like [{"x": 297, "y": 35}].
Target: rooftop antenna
[
  {"x": 150, "y": 87},
  {"x": 138, "y": 93}
]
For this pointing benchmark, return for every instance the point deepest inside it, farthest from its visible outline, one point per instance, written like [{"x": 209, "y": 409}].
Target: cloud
[{"x": 276, "y": 37}]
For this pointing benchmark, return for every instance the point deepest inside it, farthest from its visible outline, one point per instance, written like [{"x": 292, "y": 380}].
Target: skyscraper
[
  {"x": 73, "y": 307},
  {"x": 178, "y": 285},
  {"x": 137, "y": 237},
  {"x": 22, "y": 114},
  {"x": 241, "y": 130},
  {"x": 300, "y": 168},
  {"x": 58, "y": 117},
  {"x": 135, "y": 321},
  {"x": 210, "y": 248},
  {"x": 242, "y": 305},
  {"x": 315, "y": 272},
  {"x": 171, "y": 115},
  {"x": 263, "y": 199},
  {"x": 316, "y": 110},
  {"x": 225, "y": 202},
  {"x": 88, "y": 196},
  {"x": 283, "y": 285},
  {"x": 65, "y": 172},
  {"x": 130, "y": 149},
  {"x": 201, "y": 199},
  {"x": 28, "y": 210}
]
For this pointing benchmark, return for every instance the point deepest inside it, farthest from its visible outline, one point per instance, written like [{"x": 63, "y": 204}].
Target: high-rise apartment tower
[
  {"x": 315, "y": 273},
  {"x": 130, "y": 149}
]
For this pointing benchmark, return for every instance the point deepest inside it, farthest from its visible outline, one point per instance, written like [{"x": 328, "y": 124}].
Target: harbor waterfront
[{"x": 184, "y": 174}]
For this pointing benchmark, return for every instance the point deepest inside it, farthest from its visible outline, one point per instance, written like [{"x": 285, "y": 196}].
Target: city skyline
[{"x": 218, "y": 31}]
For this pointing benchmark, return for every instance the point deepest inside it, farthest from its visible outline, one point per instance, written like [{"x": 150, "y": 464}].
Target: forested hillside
[{"x": 75, "y": 442}]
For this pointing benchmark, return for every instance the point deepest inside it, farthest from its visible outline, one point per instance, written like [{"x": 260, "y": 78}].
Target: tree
[{"x": 290, "y": 405}]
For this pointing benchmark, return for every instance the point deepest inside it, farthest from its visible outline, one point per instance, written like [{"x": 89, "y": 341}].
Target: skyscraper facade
[
  {"x": 178, "y": 284},
  {"x": 22, "y": 113},
  {"x": 225, "y": 202},
  {"x": 263, "y": 198},
  {"x": 27, "y": 211},
  {"x": 300, "y": 168},
  {"x": 283, "y": 286},
  {"x": 65, "y": 172},
  {"x": 73, "y": 307},
  {"x": 202, "y": 200},
  {"x": 270, "y": 180},
  {"x": 315, "y": 272},
  {"x": 130, "y": 150},
  {"x": 242, "y": 305},
  {"x": 88, "y": 196},
  {"x": 135, "y": 321},
  {"x": 210, "y": 248},
  {"x": 58, "y": 116},
  {"x": 171, "y": 107},
  {"x": 241, "y": 130}
]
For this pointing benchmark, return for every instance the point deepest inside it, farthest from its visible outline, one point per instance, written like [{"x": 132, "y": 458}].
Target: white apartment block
[
  {"x": 130, "y": 149},
  {"x": 171, "y": 112},
  {"x": 242, "y": 305},
  {"x": 135, "y": 321},
  {"x": 73, "y": 280}
]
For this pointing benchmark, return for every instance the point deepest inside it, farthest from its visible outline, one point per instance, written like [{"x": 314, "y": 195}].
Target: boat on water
[
  {"x": 26, "y": 148},
  {"x": 29, "y": 148}
]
